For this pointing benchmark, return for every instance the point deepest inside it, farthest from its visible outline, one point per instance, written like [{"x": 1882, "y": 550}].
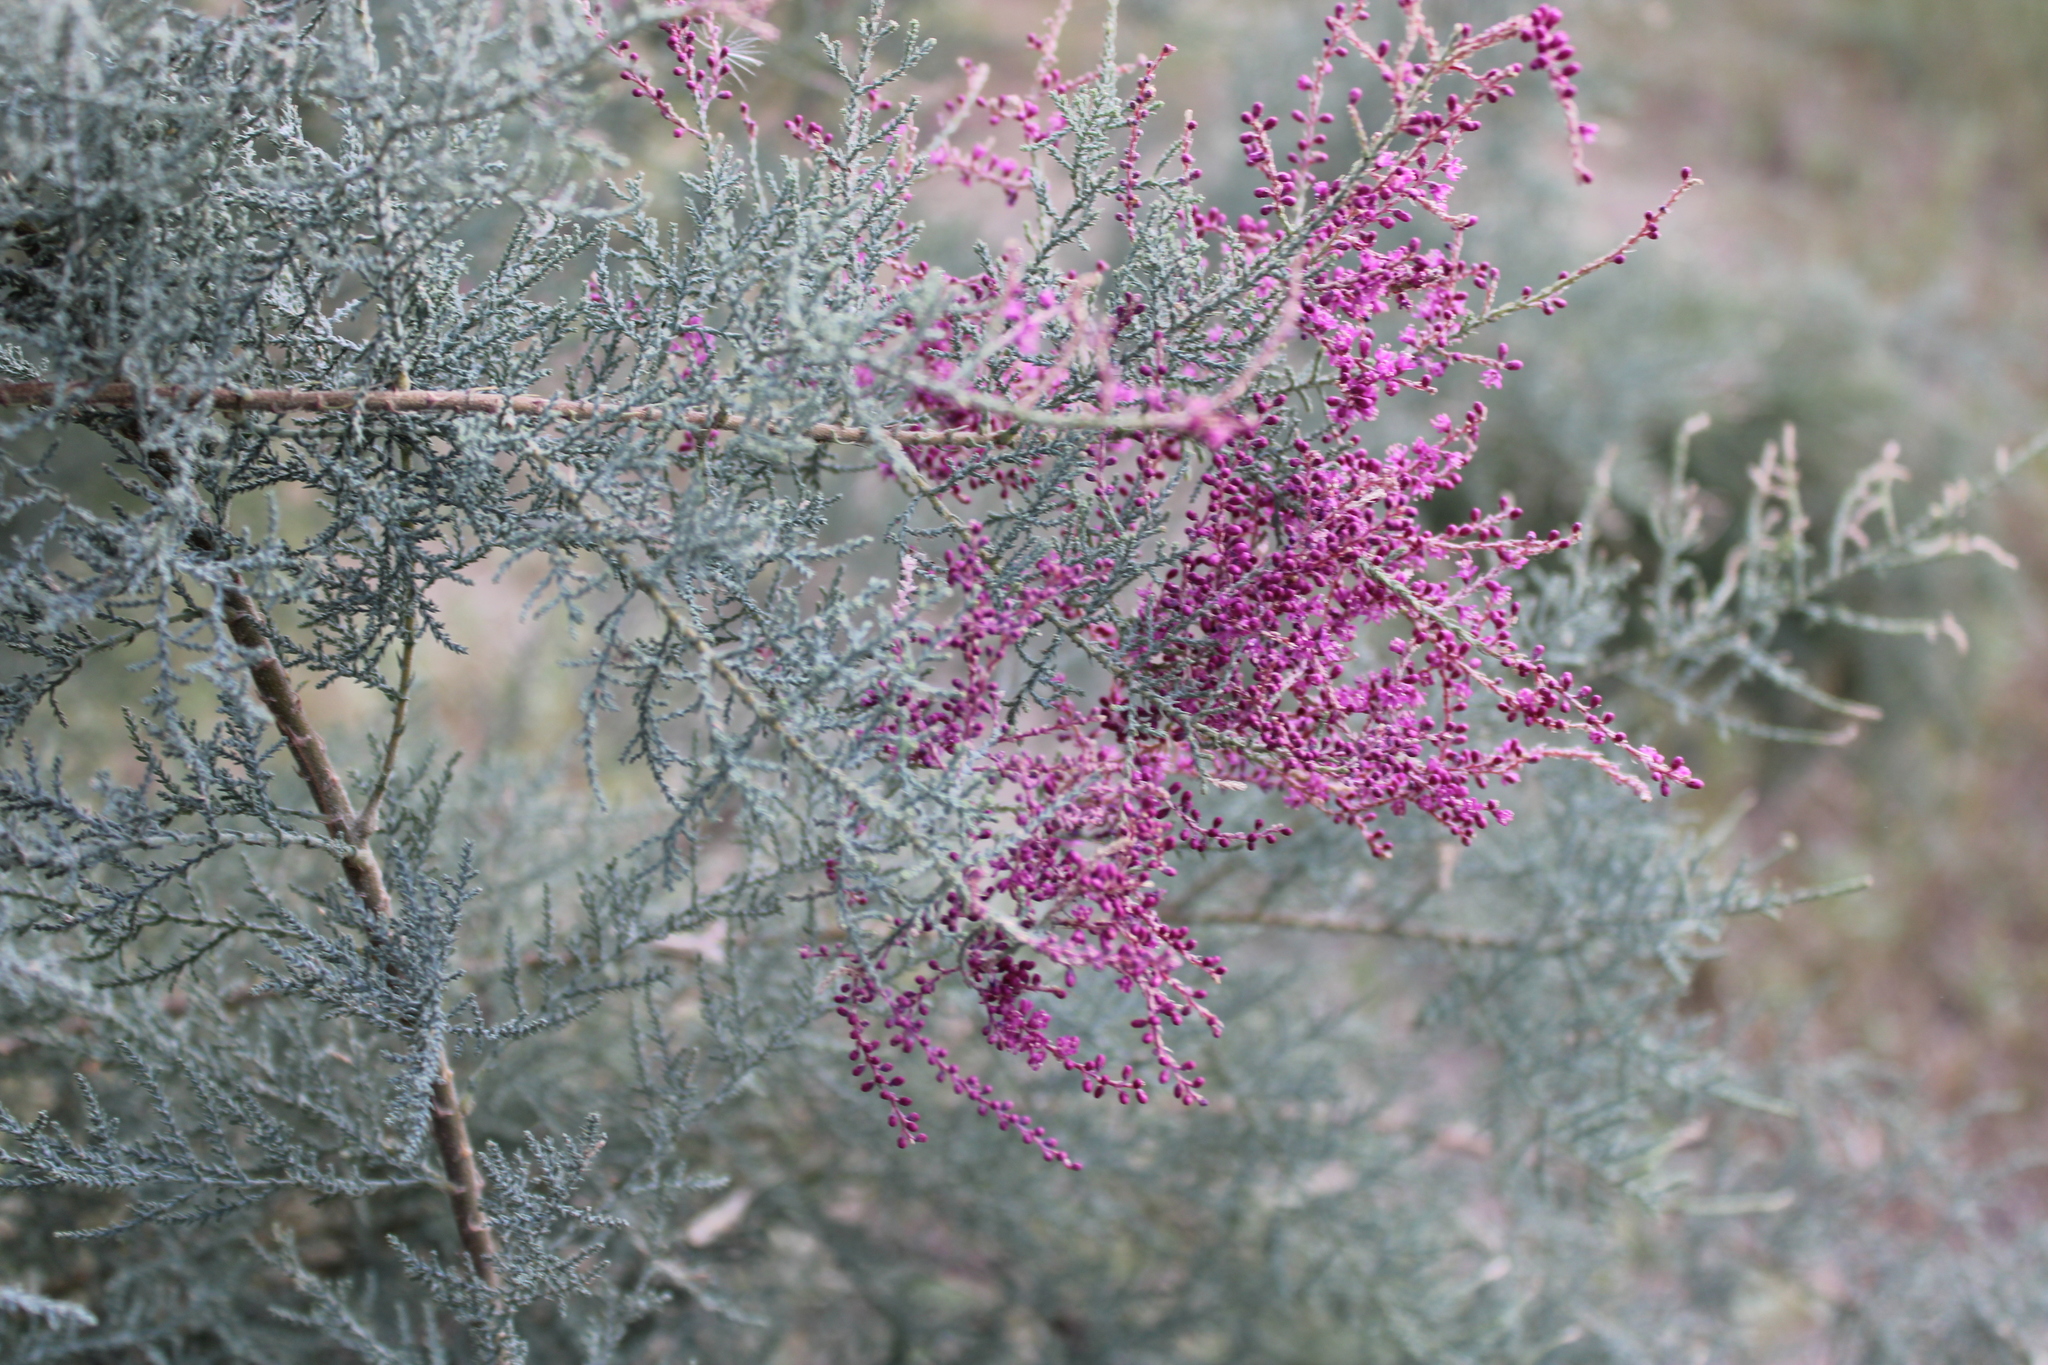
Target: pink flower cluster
[
  {"x": 707, "y": 58},
  {"x": 1241, "y": 663}
]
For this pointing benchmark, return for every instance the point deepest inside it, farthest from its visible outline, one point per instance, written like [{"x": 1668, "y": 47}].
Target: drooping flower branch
[
  {"x": 1156, "y": 481},
  {"x": 1224, "y": 563},
  {"x": 1170, "y": 553}
]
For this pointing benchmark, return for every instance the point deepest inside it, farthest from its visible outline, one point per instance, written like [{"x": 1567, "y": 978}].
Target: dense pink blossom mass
[{"x": 1247, "y": 663}]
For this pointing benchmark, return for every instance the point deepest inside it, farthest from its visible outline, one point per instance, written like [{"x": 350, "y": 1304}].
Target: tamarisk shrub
[
  {"x": 932, "y": 623},
  {"x": 1127, "y": 490}
]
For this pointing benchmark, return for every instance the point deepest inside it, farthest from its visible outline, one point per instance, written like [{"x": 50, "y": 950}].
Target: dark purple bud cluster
[{"x": 1244, "y": 663}]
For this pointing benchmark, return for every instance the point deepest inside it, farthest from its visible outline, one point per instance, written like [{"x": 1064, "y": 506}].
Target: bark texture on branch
[
  {"x": 365, "y": 874},
  {"x": 38, "y": 393}
]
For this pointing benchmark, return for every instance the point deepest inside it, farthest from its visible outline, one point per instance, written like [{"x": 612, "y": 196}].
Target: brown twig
[
  {"x": 40, "y": 393},
  {"x": 365, "y": 874}
]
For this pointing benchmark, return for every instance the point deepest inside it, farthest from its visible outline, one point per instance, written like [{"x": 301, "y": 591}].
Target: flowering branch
[
  {"x": 1131, "y": 482},
  {"x": 1231, "y": 648}
]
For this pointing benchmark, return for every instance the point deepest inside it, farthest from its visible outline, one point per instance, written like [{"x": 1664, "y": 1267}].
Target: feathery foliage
[{"x": 949, "y": 642}]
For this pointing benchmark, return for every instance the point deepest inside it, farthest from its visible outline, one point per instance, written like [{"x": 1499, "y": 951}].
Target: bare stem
[
  {"x": 39, "y": 393},
  {"x": 365, "y": 875},
  {"x": 366, "y": 823}
]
